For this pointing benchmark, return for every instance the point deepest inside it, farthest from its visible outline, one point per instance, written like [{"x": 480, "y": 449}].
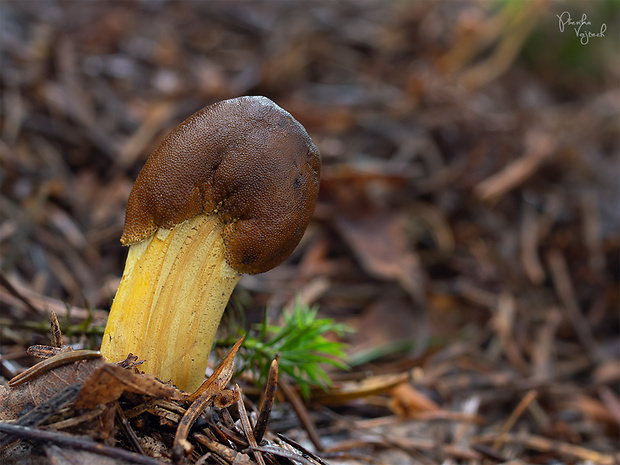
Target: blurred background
[{"x": 468, "y": 219}]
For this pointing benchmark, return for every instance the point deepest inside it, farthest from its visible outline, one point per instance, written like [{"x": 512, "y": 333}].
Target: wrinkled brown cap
[{"x": 246, "y": 160}]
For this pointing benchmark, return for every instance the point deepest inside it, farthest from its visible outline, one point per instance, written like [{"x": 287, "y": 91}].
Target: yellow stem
[{"x": 167, "y": 309}]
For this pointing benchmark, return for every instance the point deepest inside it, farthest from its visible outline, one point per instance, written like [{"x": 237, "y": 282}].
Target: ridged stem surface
[{"x": 167, "y": 309}]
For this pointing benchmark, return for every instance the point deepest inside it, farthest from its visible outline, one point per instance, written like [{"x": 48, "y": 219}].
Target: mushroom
[{"x": 229, "y": 191}]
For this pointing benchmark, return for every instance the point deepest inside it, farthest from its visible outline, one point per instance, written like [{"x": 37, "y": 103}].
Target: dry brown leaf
[
  {"x": 380, "y": 244},
  {"x": 370, "y": 386},
  {"x": 110, "y": 381},
  {"x": 17, "y": 401},
  {"x": 407, "y": 401}
]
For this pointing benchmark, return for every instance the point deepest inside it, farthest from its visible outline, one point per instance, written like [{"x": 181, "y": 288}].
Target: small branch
[
  {"x": 246, "y": 427},
  {"x": 302, "y": 413},
  {"x": 540, "y": 147},
  {"x": 270, "y": 394},
  {"x": 566, "y": 293},
  {"x": 66, "y": 440}
]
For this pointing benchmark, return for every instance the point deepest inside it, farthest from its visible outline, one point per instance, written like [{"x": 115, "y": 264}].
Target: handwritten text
[{"x": 580, "y": 27}]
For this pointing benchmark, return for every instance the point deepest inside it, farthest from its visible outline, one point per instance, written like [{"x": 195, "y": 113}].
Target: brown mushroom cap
[{"x": 246, "y": 160}]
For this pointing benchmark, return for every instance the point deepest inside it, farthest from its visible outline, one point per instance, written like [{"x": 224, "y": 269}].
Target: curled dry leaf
[
  {"x": 370, "y": 386},
  {"x": 17, "y": 401},
  {"x": 60, "y": 359},
  {"x": 406, "y": 401},
  {"x": 101, "y": 383},
  {"x": 110, "y": 381}
]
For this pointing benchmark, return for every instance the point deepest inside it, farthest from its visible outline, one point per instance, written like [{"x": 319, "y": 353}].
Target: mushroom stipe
[
  {"x": 231, "y": 190},
  {"x": 174, "y": 289}
]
